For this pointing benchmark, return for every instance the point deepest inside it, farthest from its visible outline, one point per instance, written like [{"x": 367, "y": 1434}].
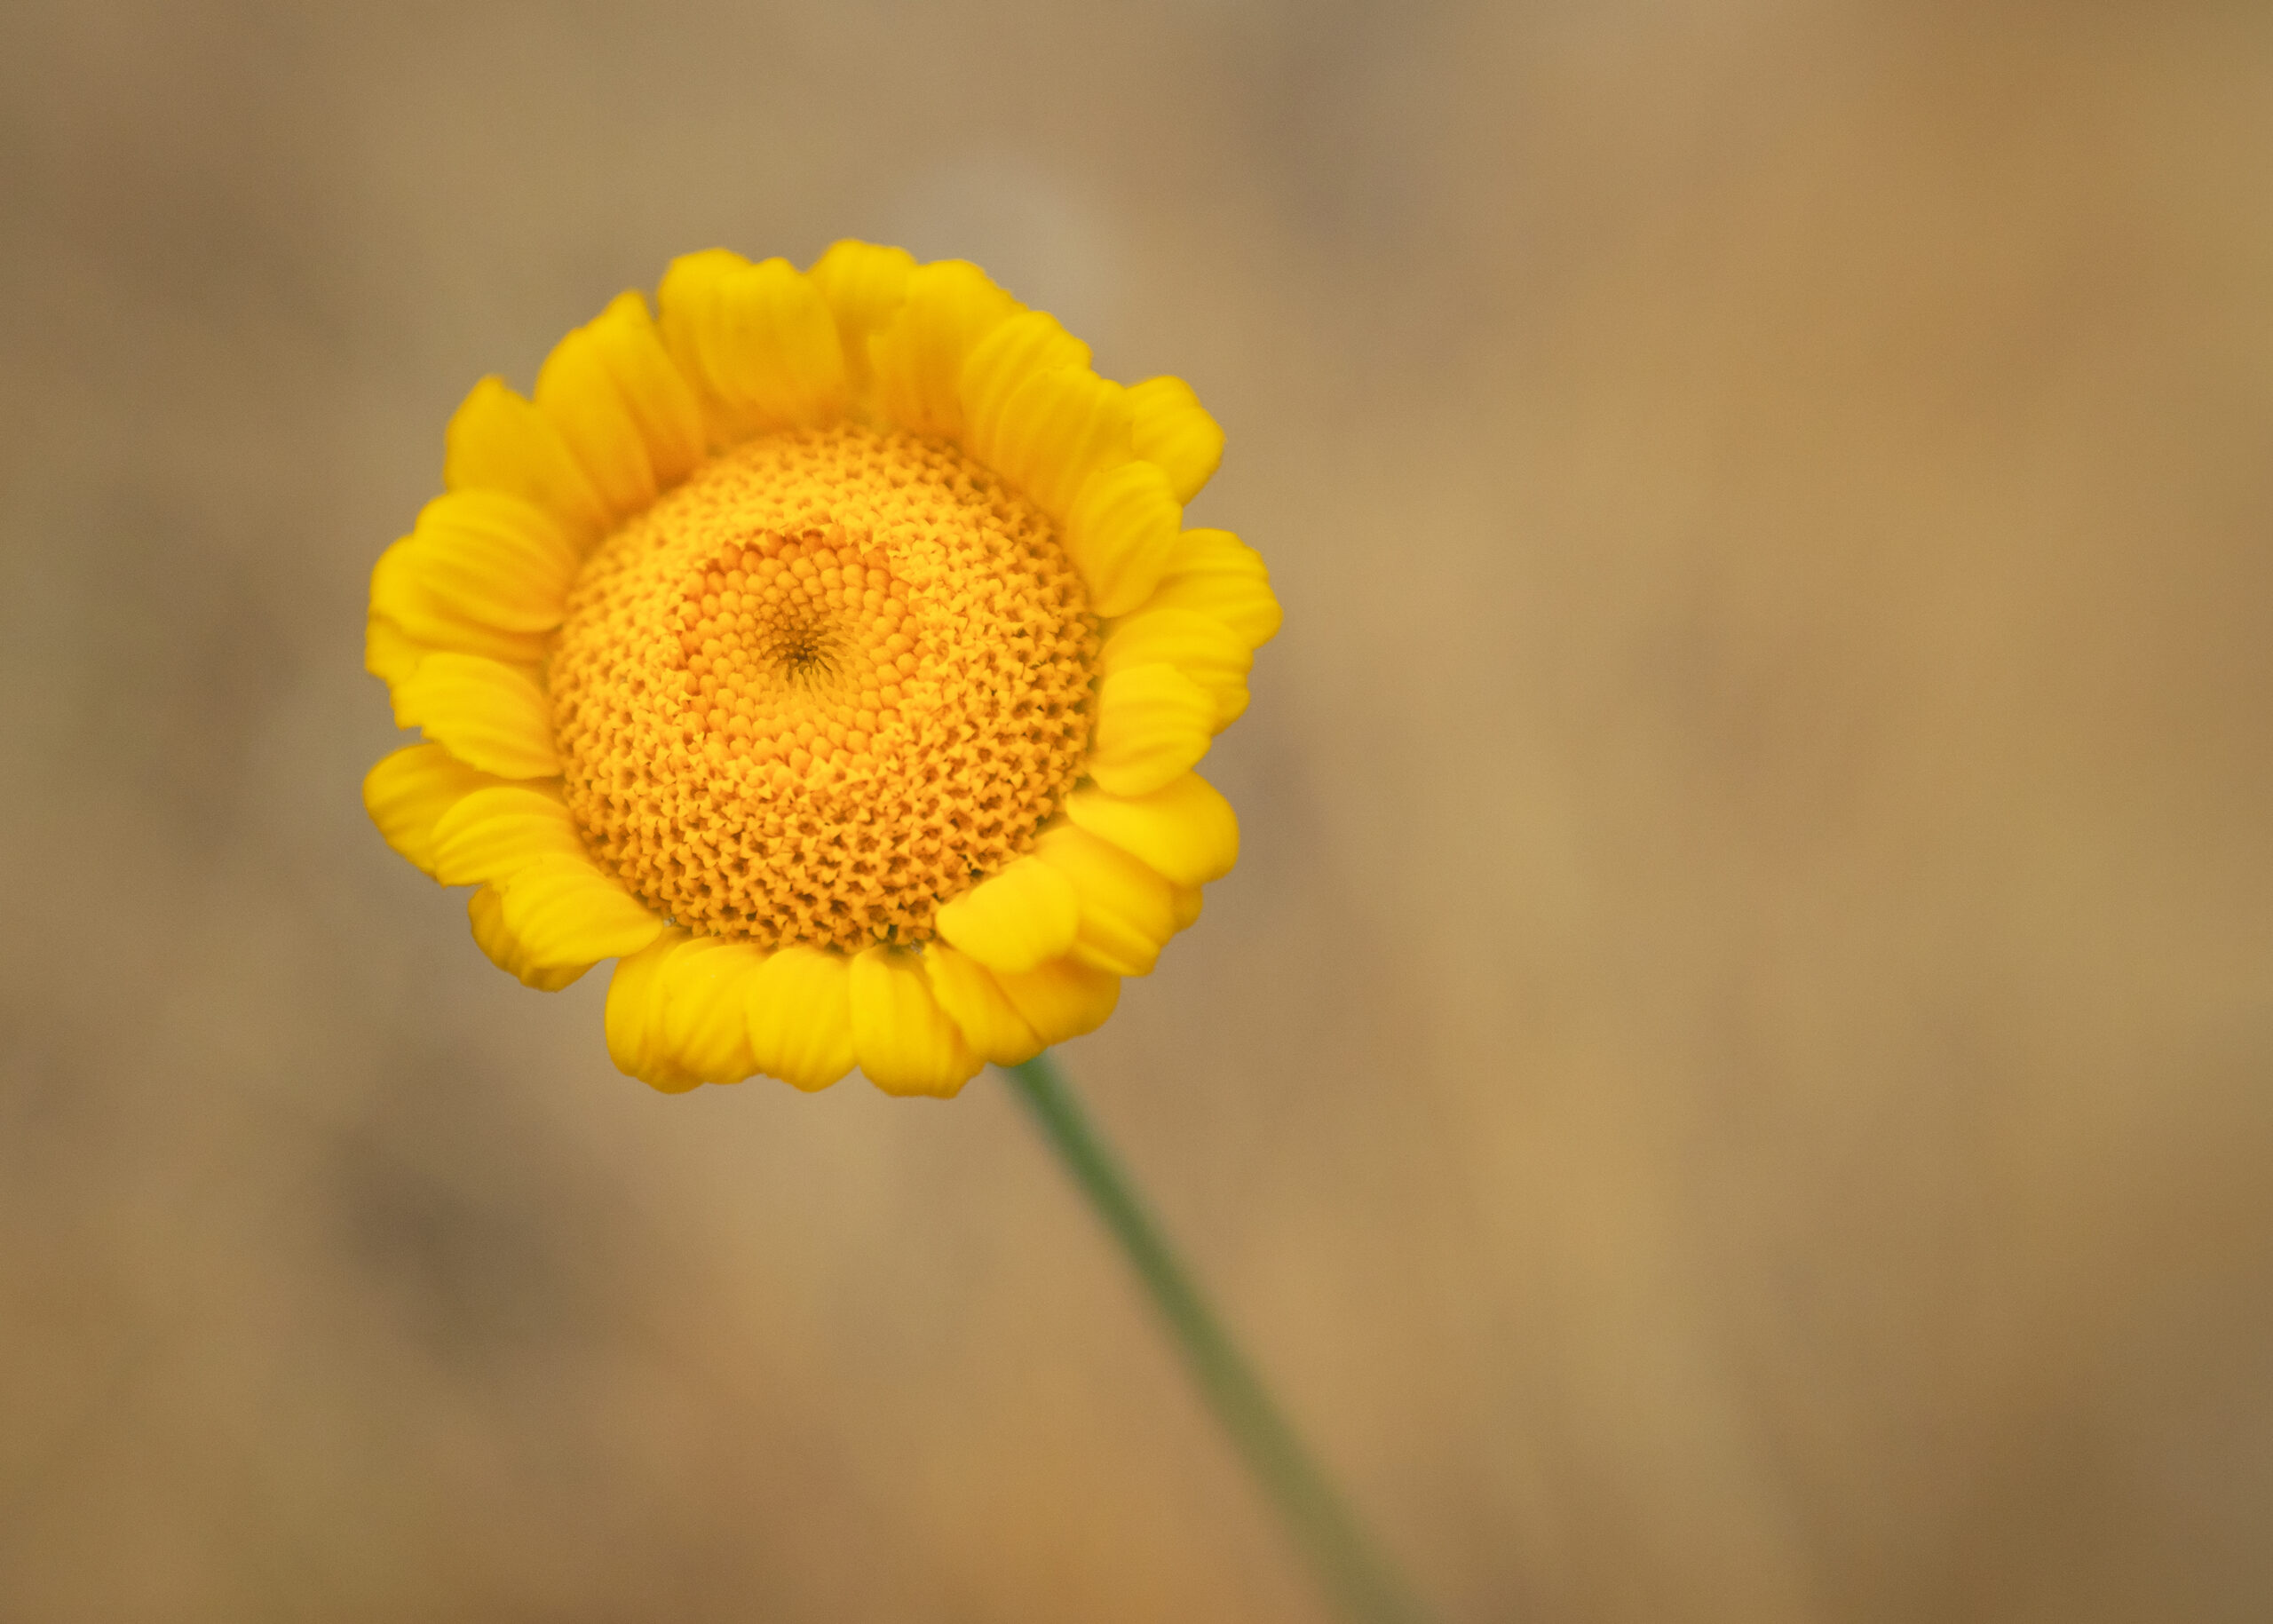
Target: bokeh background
[{"x": 1730, "y": 1083}]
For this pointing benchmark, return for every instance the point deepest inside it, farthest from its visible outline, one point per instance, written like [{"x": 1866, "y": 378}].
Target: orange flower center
[{"x": 830, "y": 683}]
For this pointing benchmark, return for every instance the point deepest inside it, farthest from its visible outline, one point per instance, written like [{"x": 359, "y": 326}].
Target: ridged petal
[
  {"x": 902, "y": 1040},
  {"x": 864, "y": 285},
  {"x": 408, "y": 792},
  {"x": 577, "y": 392},
  {"x": 1153, "y": 724},
  {"x": 801, "y": 1016},
  {"x": 497, "y": 440},
  {"x": 968, "y": 991},
  {"x": 1214, "y": 573},
  {"x": 495, "y": 558},
  {"x": 1010, "y": 353},
  {"x": 635, "y": 1018},
  {"x": 919, "y": 354},
  {"x": 1201, "y": 647},
  {"x": 661, "y": 400},
  {"x": 766, "y": 341},
  {"x": 1062, "y": 1001},
  {"x": 491, "y": 835},
  {"x": 1058, "y": 427},
  {"x": 1121, "y": 532},
  {"x": 705, "y": 991},
  {"x": 485, "y": 911},
  {"x": 399, "y": 596},
  {"x": 686, "y": 304},
  {"x": 1017, "y": 918},
  {"x": 389, "y": 654},
  {"x": 566, "y": 911},
  {"x": 1128, "y": 911},
  {"x": 489, "y": 715},
  {"x": 1175, "y": 431},
  {"x": 1184, "y": 831}
]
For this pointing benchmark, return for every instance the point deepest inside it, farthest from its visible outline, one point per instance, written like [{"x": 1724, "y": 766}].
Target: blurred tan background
[{"x": 1731, "y": 1084}]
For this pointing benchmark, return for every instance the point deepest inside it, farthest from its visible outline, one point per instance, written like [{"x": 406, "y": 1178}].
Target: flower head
[{"x": 828, "y": 651}]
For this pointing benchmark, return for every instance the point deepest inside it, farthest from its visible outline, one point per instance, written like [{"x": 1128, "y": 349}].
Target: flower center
[{"x": 830, "y": 683}]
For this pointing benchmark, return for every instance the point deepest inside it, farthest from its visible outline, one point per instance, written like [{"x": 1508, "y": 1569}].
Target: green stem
[{"x": 1360, "y": 1582}]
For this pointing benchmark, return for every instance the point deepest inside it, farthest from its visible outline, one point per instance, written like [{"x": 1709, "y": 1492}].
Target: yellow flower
[{"x": 829, "y": 651}]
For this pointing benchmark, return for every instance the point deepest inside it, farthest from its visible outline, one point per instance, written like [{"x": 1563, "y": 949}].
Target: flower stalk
[{"x": 1355, "y": 1575}]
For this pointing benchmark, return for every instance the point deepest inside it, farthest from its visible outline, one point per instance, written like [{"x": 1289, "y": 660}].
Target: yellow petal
[
  {"x": 865, "y": 286},
  {"x": 767, "y": 342},
  {"x": 575, "y": 390},
  {"x": 566, "y": 911},
  {"x": 407, "y": 793},
  {"x": 399, "y": 595},
  {"x": 1184, "y": 831},
  {"x": 902, "y": 1040},
  {"x": 486, "y": 910},
  {"x": 495, "y": 558},
  {"x": 690, "y": 281},
  {"x": 1062, "y": 1001},
  {"x": 1055, "y": 429},
  {"x": 491, "y": 835},
  {"x": 498, "y": 441},
  {"x": 1010, "y": 353},
  {"x": 968, "y": 991},
  {"x": 1188, "y": 901},
  {"x": 1016, "y": 919},
  {"x": 919, "y": 354},
  {"x": 1175, "y": 431},
  {"x": 1128, "y": 911},
  {"x": 1202, "y": 648},
  {"x": 801, "y": 1016},
  {"x": 1153, "y": 724},
  {"x": 1119, "y": 533},
  {"x": 634, "y": 1020},
  {"x": 687, "y": 304},
  {"x": 661, "y": 399},
  {"x": 389, "y": 654},
  {"x": 705, "y": 986},
  {"x": 1214, "y": 573},
  {"x": 489, "y": 715}
]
